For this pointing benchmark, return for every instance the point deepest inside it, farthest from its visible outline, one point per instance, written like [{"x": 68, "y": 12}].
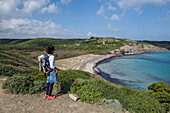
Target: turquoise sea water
[{"x": 137, "y": 71}]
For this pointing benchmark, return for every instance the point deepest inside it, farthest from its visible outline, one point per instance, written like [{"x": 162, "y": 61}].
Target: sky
[{"x": 130, "y": 19}]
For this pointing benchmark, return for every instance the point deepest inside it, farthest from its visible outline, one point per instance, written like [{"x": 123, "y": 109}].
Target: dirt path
[{"x": 11, "y": 103}]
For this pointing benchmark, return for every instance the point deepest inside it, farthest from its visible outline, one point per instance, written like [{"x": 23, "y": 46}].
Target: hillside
[
  {"x": 11, "y": 63},
  {"x": 164, "y": 44},
  {"x": 97, "y": 45}
]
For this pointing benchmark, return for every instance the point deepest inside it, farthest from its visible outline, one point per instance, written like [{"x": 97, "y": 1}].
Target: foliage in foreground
[
  {"x": 35, "y": 82},
  {"x": 94, "y": 90},
  {"x": 161, "y": 91},
  {"x": 24, "y": 84},
  {"x": 89, "y": 90}
]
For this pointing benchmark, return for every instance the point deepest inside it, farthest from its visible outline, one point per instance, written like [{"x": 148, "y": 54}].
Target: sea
[{"x": 137, "y": 71}]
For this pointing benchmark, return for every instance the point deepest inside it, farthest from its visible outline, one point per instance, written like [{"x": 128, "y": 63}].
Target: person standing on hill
[{"x": 52, "y": 75}]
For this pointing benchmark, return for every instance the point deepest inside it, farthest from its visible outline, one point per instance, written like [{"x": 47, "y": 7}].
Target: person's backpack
[{"x": 44, "y": 64}]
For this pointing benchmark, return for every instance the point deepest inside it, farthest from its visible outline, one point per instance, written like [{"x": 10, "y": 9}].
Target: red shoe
[
  {"x": 46, "y": 96},
  {"x": 51, "y": 97}
]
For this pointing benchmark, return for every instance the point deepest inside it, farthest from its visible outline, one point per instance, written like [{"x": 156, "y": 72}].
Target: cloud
[
  {"x": 25, "y": 28},
  {"x": 139, "y": 11},
  {"x": 128, "y": 4},
  {"x": 65, "y": 1},
  {"x": 32, "y": 5},
  {"x": 168, "y": 12},
  {"x": 89, "y": 34},
  {"x": 115, "y": 17},
  {"x": 24, "y": 8},
  {"x": 101, "y": 11},
  {"x": 111, "y": 8},
  {"x": 111, "y": 28},
  {"x": 52, "y": 8},
  {"x": 8, "y": 7}
]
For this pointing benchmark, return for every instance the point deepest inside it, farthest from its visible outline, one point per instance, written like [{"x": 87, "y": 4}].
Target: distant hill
[
  {"x": 164, "y": 44},
  {"x": 94, "y": 44}
]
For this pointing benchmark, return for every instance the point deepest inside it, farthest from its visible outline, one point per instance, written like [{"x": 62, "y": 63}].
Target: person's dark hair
[{"x": 49, "y": 49}]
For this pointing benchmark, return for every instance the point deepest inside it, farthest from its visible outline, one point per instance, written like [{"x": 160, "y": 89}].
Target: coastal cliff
[
  {"x": 140, "y": 48},
  {"x": 125, "y": 46}
]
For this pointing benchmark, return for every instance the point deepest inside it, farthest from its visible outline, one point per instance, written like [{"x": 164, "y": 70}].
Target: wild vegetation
[
  {"x": 94, "y": 44},
  {"x": 165, "y": 44},
  {"x": 12, "y": 63},
  {"x": 18, "y": 61}
]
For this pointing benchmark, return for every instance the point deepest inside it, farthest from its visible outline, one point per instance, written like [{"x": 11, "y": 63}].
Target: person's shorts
[{"x": 52, "y": 76}]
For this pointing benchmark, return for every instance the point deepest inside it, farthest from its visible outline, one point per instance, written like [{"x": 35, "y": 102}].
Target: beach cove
[
  {"x": 83, "y": 62},
  {"x": 91, "y": 63}
]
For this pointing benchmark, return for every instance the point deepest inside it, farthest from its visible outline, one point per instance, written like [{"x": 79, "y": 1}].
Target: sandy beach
[{"x": 83, "y": 62}]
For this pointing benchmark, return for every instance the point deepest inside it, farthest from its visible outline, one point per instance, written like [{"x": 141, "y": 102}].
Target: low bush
[
  {"x": 94, "y": 90},
  {"x": 18, "y": 84},
  {"x": 88, "y": 91},
  {"x": 142, "y": 104},
  {"x": 34, "y": 82},
  {"x": 23, "y": 84},
  {"x": 67, "y": 77},
  {"x": 38, "y": 86},
  {"x": 70, "y": 75},
  {"x": 161, "y": 90},
  {"x": 91, "y": 90},
  {"x": 6, "y": 71},
  {"x": 162, "y": 93}
]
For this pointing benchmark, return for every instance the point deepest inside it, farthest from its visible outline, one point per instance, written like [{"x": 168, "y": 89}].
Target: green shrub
[
  {"x": 66, "y": 78},
  {"x": 36, "y": 75},
  {"x": 38, "y": 86},
  {"x": 94, "y": 90},
  {"x": 69, "y": 75},
  {"x": 23, "y": 84},
  {"x": 18, "y": 84},
  {"x": 88, "y": 91},
  {"x": 142, "y": 104},
  {"x": 6, "y": 71},
  {"x": 162, "y": 92}
]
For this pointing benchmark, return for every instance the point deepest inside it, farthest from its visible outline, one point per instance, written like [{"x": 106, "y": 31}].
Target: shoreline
[
  {"x": 86, "y": 62},
  {"x": 83, "y": 62}
]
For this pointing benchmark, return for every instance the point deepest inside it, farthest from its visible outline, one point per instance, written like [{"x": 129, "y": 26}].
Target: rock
[
  {"x": 107, "y": 101},
  {"x": 74, "y": 97}
]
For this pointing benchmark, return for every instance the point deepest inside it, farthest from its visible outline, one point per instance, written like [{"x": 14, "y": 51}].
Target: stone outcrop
[{"x": 137, "y": 49}]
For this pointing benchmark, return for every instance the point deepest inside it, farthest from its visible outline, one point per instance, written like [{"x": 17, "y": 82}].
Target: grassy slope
[
  {"x": 93, "y": 44},
  {"x": 11, "y": 63}
]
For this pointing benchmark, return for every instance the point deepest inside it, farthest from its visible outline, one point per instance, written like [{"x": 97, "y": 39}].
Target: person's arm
[
  {"x": 55, "y": 69},
  {"x": 52, "y": 63}
]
